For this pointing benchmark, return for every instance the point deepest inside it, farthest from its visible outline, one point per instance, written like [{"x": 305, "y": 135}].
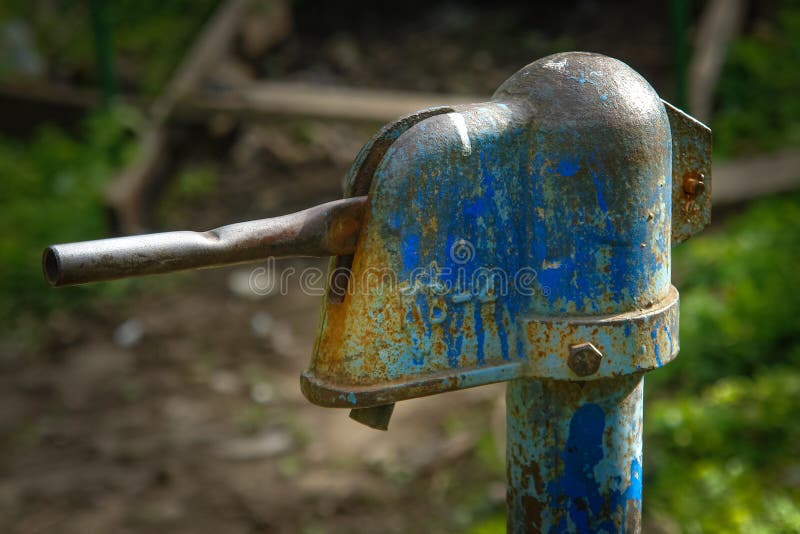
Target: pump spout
[{"x": 325, "y": 230}]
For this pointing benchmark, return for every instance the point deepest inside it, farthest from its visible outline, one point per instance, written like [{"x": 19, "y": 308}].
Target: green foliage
[
  {"x": 723, "y": 439},
  {"x": 494, "y": 525},
  {"x": 194, "y": 183},
  {"x": 149, "y": 37},
  {"x": 727, "y": 461},
  {"x": 757, "y": 97},
  {"x": 50, "y": 189},
  {"x": 50, "y": 192},
  {"x": 740, "y": 311}
]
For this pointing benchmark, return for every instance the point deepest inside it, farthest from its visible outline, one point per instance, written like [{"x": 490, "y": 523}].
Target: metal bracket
[
  {"x": 691, "y": 174},
  {"x": 628, "y": 343},
  {"x": 566, "y": 348}
]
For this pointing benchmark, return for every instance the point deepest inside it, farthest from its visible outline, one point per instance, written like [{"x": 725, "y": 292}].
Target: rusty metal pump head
[
  {"x": 478, "y": 243},
  {"x": 563, "y": 192},
  {"x": 523, "y": 239}
]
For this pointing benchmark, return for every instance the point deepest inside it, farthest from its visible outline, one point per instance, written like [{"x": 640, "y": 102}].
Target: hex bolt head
[{"x": 584, "y": 359}]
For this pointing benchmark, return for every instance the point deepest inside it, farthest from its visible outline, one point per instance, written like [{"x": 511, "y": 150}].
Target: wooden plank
[
  {"x": 269, "y": 99},
  {"x": 734, "y": 181},
  {"x": 746, "y": 179}
]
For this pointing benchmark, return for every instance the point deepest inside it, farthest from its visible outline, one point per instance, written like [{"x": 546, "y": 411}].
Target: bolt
[
  {"x": 693, "y": 184},
  {"x": 584, "y": 359}
]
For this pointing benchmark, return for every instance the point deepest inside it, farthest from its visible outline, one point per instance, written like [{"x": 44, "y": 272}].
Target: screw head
[
  {"x": 693, "y": 184},
  {"x": 584, "y": 359}
]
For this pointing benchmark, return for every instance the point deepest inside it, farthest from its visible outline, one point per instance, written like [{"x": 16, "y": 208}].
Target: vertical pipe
[{"x": 574, "y": 455}]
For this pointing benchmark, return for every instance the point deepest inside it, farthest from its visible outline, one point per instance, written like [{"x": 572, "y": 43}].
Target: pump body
[{"x": 523, "y": 239}]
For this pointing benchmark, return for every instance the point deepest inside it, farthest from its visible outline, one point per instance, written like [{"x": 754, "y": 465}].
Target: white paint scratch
[
  {"x": 461, "y": 127},
  {"x": 556, "y": 65},
  {"x": 546, "y": 265}
]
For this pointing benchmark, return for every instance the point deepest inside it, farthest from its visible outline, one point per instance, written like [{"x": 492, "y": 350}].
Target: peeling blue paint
[
  {"x": 576, "y": 451},
  {"x": 578, "y": 490},
  {"x": 568, "y": 166},
  {"x": 518, "y": 200},
  {"x": 547, "y": 176},
  {"x": 656, "y": 348}
]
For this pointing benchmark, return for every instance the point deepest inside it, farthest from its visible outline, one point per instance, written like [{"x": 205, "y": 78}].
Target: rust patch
[
  {"x": 633, "y": 517},
  {"x": 532, "y": 514},
  {"x": 693, "y": 184}
]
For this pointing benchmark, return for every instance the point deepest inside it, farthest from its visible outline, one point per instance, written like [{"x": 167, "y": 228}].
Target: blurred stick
[
  {"x": 718, "y": 25},
  {"x": 128, "y": 195}
]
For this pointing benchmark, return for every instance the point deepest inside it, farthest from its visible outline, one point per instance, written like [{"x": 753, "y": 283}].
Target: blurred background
[{"x": 172, "y": 404}]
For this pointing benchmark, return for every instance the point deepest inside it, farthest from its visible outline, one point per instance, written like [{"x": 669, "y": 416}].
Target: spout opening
[{"x": 51, "y": 265}]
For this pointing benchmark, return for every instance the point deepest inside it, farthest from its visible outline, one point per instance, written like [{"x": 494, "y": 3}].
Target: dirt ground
[
  {"x": 178, "y": 408},
  {"x": 199, "y": 426}
]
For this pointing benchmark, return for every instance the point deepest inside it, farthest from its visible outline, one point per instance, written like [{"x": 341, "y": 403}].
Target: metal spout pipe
[{"x": 324, "y": 230}]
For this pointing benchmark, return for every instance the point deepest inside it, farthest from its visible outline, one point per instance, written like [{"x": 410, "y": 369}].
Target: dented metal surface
[
  {"x": 359, "y": 181},
  {"x": 630, "y": 342}
]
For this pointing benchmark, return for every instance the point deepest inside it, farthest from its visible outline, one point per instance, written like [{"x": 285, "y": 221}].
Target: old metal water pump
[{"x": 523, "y": 239}]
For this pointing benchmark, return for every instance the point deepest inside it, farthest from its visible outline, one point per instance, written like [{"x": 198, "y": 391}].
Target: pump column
[{"x": 574, "y": 455}]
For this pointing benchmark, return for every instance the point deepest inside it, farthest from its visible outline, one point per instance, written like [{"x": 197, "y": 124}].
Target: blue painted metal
[
  {"x": 574, "y": 455},
  {"x": 524, "y": 239},
  {"x": 502, "y": 235},
  {"x": 554, "y": 199},
  {"x": 630, "y": 342}
]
